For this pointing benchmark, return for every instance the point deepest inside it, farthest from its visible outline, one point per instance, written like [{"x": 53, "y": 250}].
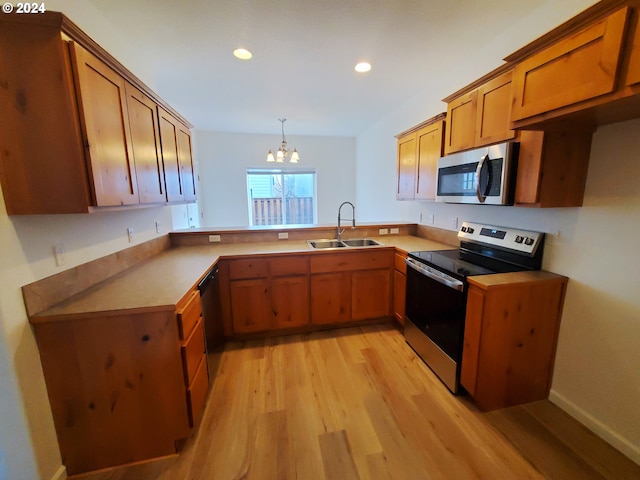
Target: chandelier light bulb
[{"x": 282, "y": 153}]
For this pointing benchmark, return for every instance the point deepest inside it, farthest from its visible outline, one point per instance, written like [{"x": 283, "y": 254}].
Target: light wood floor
[{"x": 357, "y": 403}]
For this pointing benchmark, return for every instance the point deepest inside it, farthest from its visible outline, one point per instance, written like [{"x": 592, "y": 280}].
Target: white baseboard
[
  {"x": 596, "y": 426},
  {"x": 61, "y": 474}
]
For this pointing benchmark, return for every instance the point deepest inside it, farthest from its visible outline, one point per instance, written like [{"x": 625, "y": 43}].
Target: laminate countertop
[{"x": 161, "y": 281}]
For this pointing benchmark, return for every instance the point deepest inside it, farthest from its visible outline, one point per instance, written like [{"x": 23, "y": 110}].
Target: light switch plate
[
  {"x": 395, "y": 231},
  {"x": 130, "y": 234},
  {"x": 283, "y": 235},
  {"x": 383, "y": 231},
  {"x": 214, "y": 238}
]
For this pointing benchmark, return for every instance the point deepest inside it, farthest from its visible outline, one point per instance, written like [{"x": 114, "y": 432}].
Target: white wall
[
  {"x": 224, "y": 158},
  {"x": 596, "y": 371}
]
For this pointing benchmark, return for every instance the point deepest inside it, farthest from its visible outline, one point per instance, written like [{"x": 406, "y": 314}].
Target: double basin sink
[{"x": 352, "y": 242}]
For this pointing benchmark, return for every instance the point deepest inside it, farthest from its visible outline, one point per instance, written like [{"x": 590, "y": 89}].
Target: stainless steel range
[{"x": 437, "y": 289}]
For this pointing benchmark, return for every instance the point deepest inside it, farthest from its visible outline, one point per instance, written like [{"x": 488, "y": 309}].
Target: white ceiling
[{"x": 304, "y": 54}]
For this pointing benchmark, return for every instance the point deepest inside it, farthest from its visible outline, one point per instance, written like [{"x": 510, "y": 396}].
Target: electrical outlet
[
  {"x": 157, "y": 227},
  {"x": 383, "y": 231},
  {"x": 395, "y": 231},
  {"x": 283, "y": 235},
  {"x": 454, "y": 223},
  {"x": 214, "y": 238},
  {"x": 130, "y": 234},
  {"x": 58, "y": 253}
]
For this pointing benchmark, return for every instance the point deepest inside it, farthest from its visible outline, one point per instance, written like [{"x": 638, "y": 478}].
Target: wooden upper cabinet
[
  {"x": 430, "y": 142},
  {"x": 406, "y": 167},
  {"x": 418, "y": 154},
  {"x": 176, "y": 158},
  {"x": 461, "y": 120},
  {"x": 105, "y": 125},
  {"x": 581, "y": 66},
  {"x": 145, "y": 139},
  {"x": 494, "y": 111},
  {"x": 185, "y": 160},
  {"x": 80, "y": 131},
  {"x": 633, "y": 43},
  {"x": 480, "y": 116}
]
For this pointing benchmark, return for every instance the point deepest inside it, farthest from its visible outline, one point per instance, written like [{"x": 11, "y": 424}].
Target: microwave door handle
[{"x": 479, "y": 190}]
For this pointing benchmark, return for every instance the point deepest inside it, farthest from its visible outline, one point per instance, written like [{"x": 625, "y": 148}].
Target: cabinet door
[
  {"x": 330, "y": 298},
  {"x": 105, "y": 126},
  {"x": 399, "y": 295},
  {"x": 494, "y": 111},
  {"x": 580, "y": 67},
  {"x": 170, "y": 156},
  {"x": 430, "y": 141},
  {"x": 633, "y": 71},
  {"x": 290, "y": 301},
  {"x": 461, "y": 119},
  {"x": 250, "y": 307},
  {"x": 370, "y": 294},
  {"x": 406, "y": 167},
  {"x": 185, "y": 160},
  {"x": 145, "y": 138},
  {"x": 472, "y": 336}
]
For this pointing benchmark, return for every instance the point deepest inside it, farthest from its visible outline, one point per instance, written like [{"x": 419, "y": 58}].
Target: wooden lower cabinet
[
  {"x": 123, "y": 387},
  {"x": 290, "y": 301},
  {"x": 262, "y": 294},
  {"x": 399, "y": 287},
  {"x": 370, "y": 293},
  {"x": 250, "y": 305},
  {"x": 330, "y": 298},
  {"x": 351, "y": 286},
  {"x": 510, "y": 336}
]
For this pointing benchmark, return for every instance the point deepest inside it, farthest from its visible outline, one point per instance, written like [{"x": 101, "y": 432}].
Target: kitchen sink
[
  {"x": 325, "y": 244},
  {"x": 352, "y": 242},
  {"x": 360, "y": 242}
]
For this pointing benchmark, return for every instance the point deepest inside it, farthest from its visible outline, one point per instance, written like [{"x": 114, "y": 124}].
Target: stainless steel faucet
[{"x": 353, "y": 219}]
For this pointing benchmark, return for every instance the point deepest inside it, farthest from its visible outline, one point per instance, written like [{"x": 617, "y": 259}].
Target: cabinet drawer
[
  {"x": 192, "y": 351},
  {"x": 289, "y": 266},
  {"x": 249, "y": 268},
  {"x": 188, "y": 314},
  {"x": 351, "y": 261},
  {"x": 400, "y": 265},
  {"x": 197, "y": 393}
]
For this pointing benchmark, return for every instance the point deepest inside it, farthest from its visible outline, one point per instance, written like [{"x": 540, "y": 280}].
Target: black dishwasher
[{"x": 209, "y": 288}]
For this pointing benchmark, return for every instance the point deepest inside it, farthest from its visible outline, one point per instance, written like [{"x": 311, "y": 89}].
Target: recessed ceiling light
[
  {"x": 363, "y": 67},
  {"x": 242, "y": 53}
]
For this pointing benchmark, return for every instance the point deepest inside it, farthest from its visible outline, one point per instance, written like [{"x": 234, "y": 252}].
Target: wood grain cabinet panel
[
  {"x": 579, "y": 67},
  {"x": 197, "y": 393},
  {"x": 406, "y": 165},
  {"x": 105, "y": 124},
  {"x": 251, "y": 305},
  {"x": 290, "y": 301},
  {"x": 115, "y": 386},
  {"x": 193, "y": 350},
  {"x": 145, "y": 140},
  {"x": 177, "y": 161},
  {"x": 633, "y": 44},
  {"x": 371, "y": 294},
  {"x": 399, "y": 287},
  {"x": 330, "y": 298},
  {"x": 494, "y": 111},
  {"x": 510, "y": 338},
  {"x": 461, "y": 123}
]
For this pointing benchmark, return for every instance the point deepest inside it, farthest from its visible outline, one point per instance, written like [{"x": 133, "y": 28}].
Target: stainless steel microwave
[{"x": 482, "y": 176}]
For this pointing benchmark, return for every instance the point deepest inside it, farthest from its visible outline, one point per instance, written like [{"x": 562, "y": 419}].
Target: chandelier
[{"x": 282, "y": 153}]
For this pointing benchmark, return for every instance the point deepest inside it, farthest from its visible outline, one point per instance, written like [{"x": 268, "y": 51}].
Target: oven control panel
[{"x": 523, "y": 241}]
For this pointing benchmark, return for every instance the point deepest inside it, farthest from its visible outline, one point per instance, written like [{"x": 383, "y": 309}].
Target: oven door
[
  {"x": 434, "y": 319},
  {"x": 481, "y": 176}
]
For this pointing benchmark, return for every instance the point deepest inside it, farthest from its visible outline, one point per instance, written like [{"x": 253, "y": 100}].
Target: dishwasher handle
[
  {"x": 436, "y": 275},
  {"x": 208, "y": 278}
]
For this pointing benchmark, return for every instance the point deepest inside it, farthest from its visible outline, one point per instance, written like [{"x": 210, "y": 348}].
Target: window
[{"x": 281, "y": 196}]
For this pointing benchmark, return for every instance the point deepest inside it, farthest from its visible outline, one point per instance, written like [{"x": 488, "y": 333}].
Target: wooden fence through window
[{"x": 269, "y": 211}]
